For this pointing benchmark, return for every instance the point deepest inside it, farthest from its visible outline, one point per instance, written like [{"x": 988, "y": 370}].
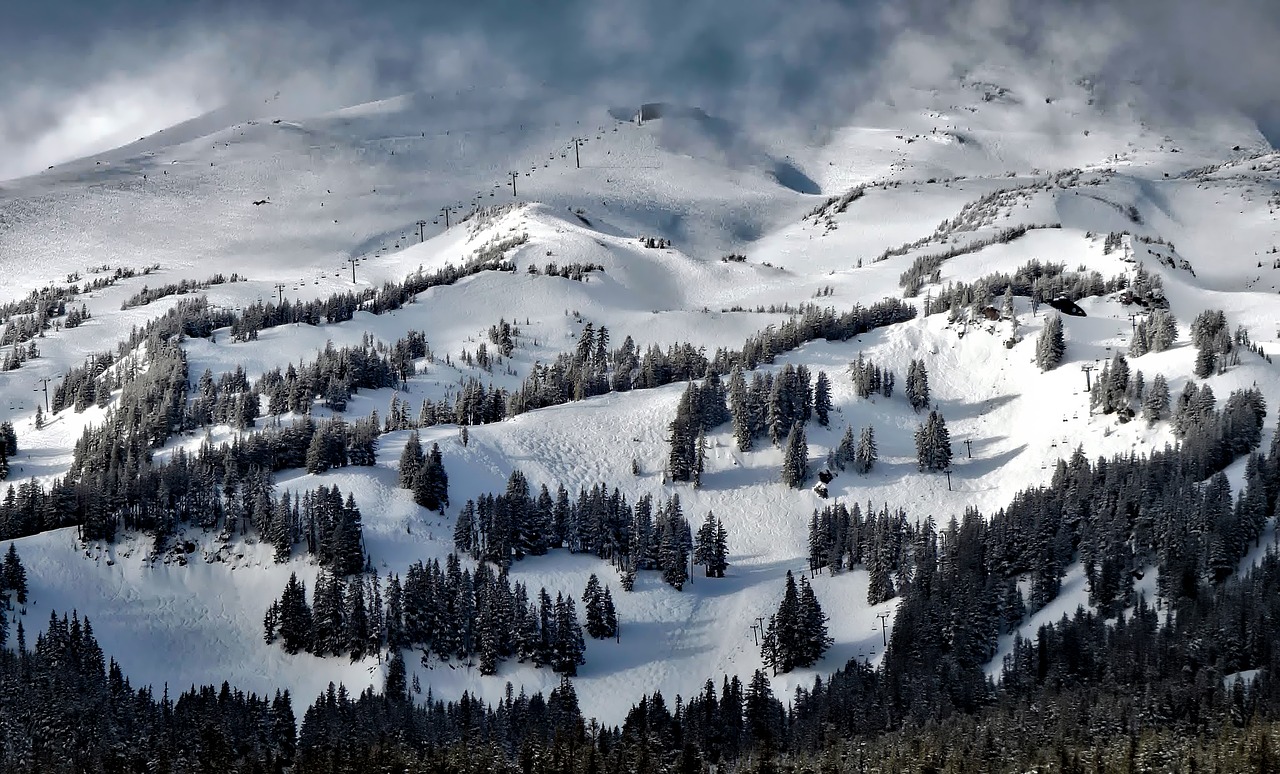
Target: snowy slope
[{"x": 354, "y": 183}]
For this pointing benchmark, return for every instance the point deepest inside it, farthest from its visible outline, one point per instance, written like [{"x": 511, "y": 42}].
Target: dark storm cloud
[{"x": 79, "y": 76}]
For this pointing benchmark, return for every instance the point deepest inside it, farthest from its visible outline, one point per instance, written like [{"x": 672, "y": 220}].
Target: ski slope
[{"x": 352, "y": 185}]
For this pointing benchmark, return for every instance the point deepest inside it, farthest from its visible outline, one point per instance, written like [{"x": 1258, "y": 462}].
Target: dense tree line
[
  {"x": 29, "y": 317},
  {"x": 182, "y": 287},
  {"x": 928, "y": 266},
  {"x": 341, "y": 307},
  {"x": 338, "y": 373},
  {"x": 225, "y": 487},
  {"x": 574, "y": 271},
  {"x": 841, "y": 539},
  {"x": 1216, "y": 348},
  {"x": 593, "y": 369},
  {"x": 506, "y": 527},
  {"x": 478, "y": 618},
  {"x": 65, "y": 707},
  {"x": 1036, "y": 280},
  {"x": 1064, "y": 698},
  {"x": 773, "y": 405}
]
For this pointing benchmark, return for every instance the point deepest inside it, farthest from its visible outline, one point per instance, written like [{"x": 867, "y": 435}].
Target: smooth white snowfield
[{"x": 354, "y": 184}]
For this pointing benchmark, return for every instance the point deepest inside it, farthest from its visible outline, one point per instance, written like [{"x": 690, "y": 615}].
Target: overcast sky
[{"x": 80, "y": 76}]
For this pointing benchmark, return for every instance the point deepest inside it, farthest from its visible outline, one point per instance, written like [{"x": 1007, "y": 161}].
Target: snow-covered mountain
[{"x": 661, "y": 200}]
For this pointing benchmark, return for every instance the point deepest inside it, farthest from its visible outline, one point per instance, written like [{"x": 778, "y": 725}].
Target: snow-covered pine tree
[
  {"x": 673, "y": 552},
  {"x": 15, "y": 575},
  {"x": 709, "y": 549},
  {"x": 917, "y": 386},
  {"x": 1162, "y": 330},
  {"x": 610, "y": 614},
  {"x": 784, "y": 404},
  {"x": 1115, "y": 390},
  {"x": 1051, "y": 345},
  {"x": 795, "y": 458},
  {"x": 814, "y": 639},
  {"x": 328, "y": 616},
  {"x": 593, "y": 609},
  {"x": 294, "y": 621},
  {"x": 431, "y": 482},
  {"x": 879, "y": 562},
  {"x": 1206, "y": 362},
  {"x": 683, "y": 437},
  {"x": 933, "y": 444},
  {"x": 864, "y": 458},
  {"x": 699, "y": 458},
  {"x": 356, "y": 630},
  {"x": 822, "y": 399},
  {"x": 803, "y": 399},
  {"x": 1138, "y": 343},
  {"x": 569, "y": 649},
  {"x": 845, "y": 452},
  {"x": 740, "y": 408}
]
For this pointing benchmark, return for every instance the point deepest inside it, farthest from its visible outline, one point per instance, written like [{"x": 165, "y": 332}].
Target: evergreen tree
[
  {"x": 1206, "y": 362},
  {"x": 786, "y": 643},
  {"x": 1114, "y": 385},
  {"x": 795, "y": 458},
  {"x": 568, "y": 649},
  {"x": 15, "y": 575},
  {"x": 1156, "y": 404},
  {"x": 682, "y": 460},
  {"x": 846, "y": 451},
  {"x": 814, "y": 639},
  {"x": 741, "y": 406},
  {"x": 1051, "y": 346},
  {"x": 431, "y": 482},
  {"x": 411, "y": 460},
  {"x": 327, "y": 624},
  {"x": 356, "y": 629},
  {"x": 610, "y": 614},
  {"x": 917, "y": 387},
  {"x": 593, "y": 606},
  {"x": 280, "y": 532},
  {"x": 699, "y": 458},
  {"x": 864, "y": 458},
  {"x": 933, "y": 444},
  {"x": 822, "y": 399},
  {"x": 1162, "y": 330},
  {"x": 783, "y": 409},
  {"x": 710, "y": 549},
  {"x": 294, "y": 621}
]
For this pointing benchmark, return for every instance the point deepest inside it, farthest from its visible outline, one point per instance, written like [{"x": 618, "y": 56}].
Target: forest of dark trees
[
  {"x": 477, "y": 618},
  {"x": 957, "y": 587},
  {"x": 1133, "y": 682},
  {"x": 1140, "y": 683},
  {"x": 649, "y": 535}
]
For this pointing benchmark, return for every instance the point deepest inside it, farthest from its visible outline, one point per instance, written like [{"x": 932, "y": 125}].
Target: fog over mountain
[{"x": 80, "y": 77}]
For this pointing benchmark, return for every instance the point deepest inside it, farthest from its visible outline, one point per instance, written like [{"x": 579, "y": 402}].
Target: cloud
[{"x": 79, "y": 76}]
